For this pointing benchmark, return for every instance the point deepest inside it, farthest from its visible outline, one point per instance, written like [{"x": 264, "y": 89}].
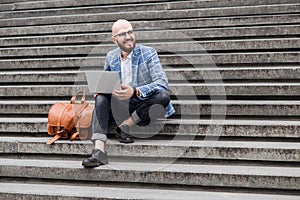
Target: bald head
[
  {"x": 123, "y": 36},
  {"x": 120, "y": 26}
]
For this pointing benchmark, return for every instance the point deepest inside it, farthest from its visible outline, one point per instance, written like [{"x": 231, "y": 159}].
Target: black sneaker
[
  {"x": 98, "y": 158},
  {"x": 124, "y": 134}
]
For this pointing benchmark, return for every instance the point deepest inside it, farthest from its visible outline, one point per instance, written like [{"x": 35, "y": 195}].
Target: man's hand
[{"x": 125, "y": 93}]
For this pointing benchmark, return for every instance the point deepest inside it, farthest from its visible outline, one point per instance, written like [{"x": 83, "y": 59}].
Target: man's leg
[
  {"x": 101, "y": 117},
  {"x": 140, "y": 108},
  {"x": 121, "y": 115},
  {"x": 119, "y": 109},
  {"x": 142, "y": 112},
  {"x": 100, "y": 124},
  {"x": 136, "y": 111}
]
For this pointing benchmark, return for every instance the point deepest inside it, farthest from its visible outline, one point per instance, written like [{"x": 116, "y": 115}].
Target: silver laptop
[{"x": 102, "y": 81}]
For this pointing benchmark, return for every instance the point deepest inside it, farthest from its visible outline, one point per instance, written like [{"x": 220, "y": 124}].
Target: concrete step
[
  {"x": 42, "y": 107},
  {"x": 285, "y": 178},
  {"x": 156, "y": 150},
  {"x": 83, "y": 10},
  {"x": 247, "y": 74},
  {"x": 180, "y": 127},
  {"x": 59, "y": 5},
  {"x": 167, "y": 35},
  {"x": 227, "y": 3},
  {"x": 237, "y": 89},
  {"x": 20, "y": 5},
  {"x": 258, "y": 58},
  {"x": 67, "y": 192},
  {"x": 178, "y": 89},
  {"x": 216, "y": 22},
  {"x": 232, "y": 58},
  {"x": 86, "y": 9},
  {"x": 282, "y": 44},
  {"x": 230, "y": 73},
  {"x": 142, "y": 15},
  {"x": 182, "y": 107},
  {"x": 12, "y": 1}
]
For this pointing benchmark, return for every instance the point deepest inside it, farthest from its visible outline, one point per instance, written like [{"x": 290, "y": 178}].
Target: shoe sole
[
  {"x": 92, "y": 165},
  {"x": 126, "y": 142}
]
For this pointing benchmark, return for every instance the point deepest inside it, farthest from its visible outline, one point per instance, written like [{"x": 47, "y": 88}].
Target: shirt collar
[{"x": 128, "y": 57}]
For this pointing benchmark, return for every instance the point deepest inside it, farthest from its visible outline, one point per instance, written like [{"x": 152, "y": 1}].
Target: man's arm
[{"x": 158, "y": 76}]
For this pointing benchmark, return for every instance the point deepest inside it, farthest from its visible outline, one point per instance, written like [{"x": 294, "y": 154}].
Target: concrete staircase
[{"x": 234, "y": 71}]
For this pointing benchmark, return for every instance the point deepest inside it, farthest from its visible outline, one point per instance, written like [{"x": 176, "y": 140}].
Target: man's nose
[{"x": 127, "y": 36}]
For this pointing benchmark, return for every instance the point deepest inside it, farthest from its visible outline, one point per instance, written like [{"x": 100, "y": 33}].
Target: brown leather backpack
[{"x": 70, "y": 120}]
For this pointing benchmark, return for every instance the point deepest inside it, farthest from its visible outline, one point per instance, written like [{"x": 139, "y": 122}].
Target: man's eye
[
  {"x": 122, "y": 34},
  {"x": 129, "y": 32}
]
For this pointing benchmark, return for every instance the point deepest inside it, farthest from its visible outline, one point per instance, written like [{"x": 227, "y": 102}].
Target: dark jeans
[{"x": 142, "y": 112}]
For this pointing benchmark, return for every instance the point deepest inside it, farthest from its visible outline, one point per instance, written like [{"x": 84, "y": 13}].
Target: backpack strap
[
  {"x": 76, "y": 120},
  {"x": 74, "y": 135},
  {"x": 57, "y": 136}
]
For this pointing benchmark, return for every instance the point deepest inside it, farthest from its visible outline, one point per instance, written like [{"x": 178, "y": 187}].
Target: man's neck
[{"x": 124, "y": 54}]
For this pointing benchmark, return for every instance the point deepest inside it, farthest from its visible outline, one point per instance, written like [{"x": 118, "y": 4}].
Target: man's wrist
[
  {"x": 134, "y": 92},
  {"x": 137, "y": 92}
]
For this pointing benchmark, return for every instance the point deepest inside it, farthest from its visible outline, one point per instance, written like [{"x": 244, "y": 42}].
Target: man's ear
[{"x": 113, "y": 39}]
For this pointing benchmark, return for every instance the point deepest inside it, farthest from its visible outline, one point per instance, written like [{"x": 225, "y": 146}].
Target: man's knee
[
  {"x": 163, "y": 97},
  {"x": 101, "y": 100}
]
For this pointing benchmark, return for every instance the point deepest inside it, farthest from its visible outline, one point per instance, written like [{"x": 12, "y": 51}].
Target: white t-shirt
[{"x": 126, "y": 70}]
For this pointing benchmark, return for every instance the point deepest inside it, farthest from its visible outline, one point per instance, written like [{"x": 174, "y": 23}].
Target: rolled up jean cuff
[
  {"x": 135, "y": 117},
  {"x": 99, "y": 136}
]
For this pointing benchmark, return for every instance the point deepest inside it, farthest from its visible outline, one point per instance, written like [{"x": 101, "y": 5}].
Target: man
[{"x": 143, "y": 86}]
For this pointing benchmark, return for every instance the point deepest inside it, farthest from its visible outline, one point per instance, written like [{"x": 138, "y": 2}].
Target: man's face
[{"x": 125, "y": 39}]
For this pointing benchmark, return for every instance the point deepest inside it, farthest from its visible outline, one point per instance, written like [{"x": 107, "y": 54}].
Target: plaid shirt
[{"x": 147, "y": 73}]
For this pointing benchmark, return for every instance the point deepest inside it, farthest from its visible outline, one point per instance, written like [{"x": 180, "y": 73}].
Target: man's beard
[{"x": 123, "y": 48}]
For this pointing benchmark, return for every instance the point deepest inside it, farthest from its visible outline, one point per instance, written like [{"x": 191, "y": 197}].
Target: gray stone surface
[
  {"x": 127, "y": 8},
  {"x": 171, "y": 5},
  {"x": 161, "y": 24},
  {"x": 180, "y": 174},
  {"x": 210, "y": 73},
  {"x": 191, "y": 34},
  {"x": 59, "y": 192},
  {"x": 183, "y": 107},
  {"x": 239, "y": 89},
  {"x": 245, "y": 74},
  {"x": 185, "y": 127},
  {"x": 18, "y": 5},
  {"x": 141, "y": 15},
  {"x": 238, "y": 128},
  {"x": 159, "y": 149},
  {"x": 84, "y": 10},
  {"x": 11, "y": 1},
  {"x": 193, "y": 89},
  {"x": 232, "y": 58},
  {"x": 42, "y": 77},
  {"x": 69, "y": 3},
  {"x": 23, "y": 125},
  {"x": 227, "y": 3},
  {"x": 168, "y": 60},
  {"x": 175, "y": 47}
]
